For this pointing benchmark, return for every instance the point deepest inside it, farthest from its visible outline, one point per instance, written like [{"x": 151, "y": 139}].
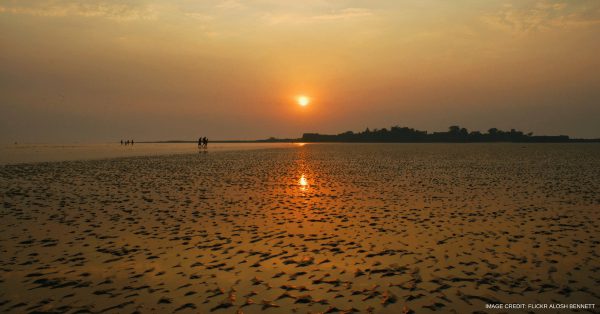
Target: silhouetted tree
[
  {"x": 455, "y": 134},
  {"x": 454, "y": 129}
]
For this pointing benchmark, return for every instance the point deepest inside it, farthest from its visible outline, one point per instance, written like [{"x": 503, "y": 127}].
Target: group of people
[{"x": 202, "y": 142}]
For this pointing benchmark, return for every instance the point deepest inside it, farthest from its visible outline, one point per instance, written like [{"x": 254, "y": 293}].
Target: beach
[
  {"x": 315, "y": 228},
  {"x": 31, "y": 152}
]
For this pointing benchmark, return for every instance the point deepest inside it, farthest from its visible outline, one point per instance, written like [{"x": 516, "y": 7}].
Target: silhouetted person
[
  {"x": 121, "y": 142},
  {"x": 199, "y": 142},
  {"x": 131, "y": 142},
  {"x": 205, "y": 140}
]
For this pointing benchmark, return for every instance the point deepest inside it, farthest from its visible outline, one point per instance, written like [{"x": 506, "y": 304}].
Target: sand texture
[{"x": 331, "y": 228}]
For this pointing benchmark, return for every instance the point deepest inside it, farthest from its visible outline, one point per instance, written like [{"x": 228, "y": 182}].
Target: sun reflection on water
[{"x": 303, "y": 183}]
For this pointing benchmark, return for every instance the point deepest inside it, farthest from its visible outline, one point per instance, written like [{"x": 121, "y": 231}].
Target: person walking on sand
[
  {"x": 205, "y": 142},
  {"x": 199, "y": 142},
  {"x": 131, "y": 142}
]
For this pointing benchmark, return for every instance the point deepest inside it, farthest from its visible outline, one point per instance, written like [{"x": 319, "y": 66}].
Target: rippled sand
[{"x": 318, "y": 228}]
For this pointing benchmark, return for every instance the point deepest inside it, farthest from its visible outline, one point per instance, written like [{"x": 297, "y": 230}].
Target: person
[
  {"x": 199, "y": 142},
  {"x": 205, "y": 142},
  {"x": 131, "y": 142},
  {"x": 121, "y": 142}
]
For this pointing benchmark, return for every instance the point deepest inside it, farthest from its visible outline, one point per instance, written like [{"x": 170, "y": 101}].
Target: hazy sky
[{"x": 110, "y": 69}]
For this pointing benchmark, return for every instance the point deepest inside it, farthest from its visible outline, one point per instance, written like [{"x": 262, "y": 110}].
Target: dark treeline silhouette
[
  {"x": 455, "y": 134},
  {"x": 397, "y": 134}
]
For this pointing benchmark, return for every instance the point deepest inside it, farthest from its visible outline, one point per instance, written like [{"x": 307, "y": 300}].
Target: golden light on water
[{"x": 303, "y": 183}]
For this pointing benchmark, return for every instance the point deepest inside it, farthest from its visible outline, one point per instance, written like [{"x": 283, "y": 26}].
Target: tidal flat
[{"x": 315, "y": 228}]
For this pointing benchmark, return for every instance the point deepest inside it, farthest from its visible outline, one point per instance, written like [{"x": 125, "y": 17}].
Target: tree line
[{"x": 455, "y": 133}]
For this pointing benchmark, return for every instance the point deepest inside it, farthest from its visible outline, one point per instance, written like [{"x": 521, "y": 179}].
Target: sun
[{"x": 303, "y": 101}]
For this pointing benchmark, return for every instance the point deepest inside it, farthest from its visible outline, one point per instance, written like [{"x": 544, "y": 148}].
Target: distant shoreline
[
  {"x": 397, "y": 134},
  {"x": 300, "y": 140}
]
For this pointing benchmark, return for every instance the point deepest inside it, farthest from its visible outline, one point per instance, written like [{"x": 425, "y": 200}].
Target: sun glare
[
  {"x": 303, "y": 101},
  {"x": 303, "y": 183}
]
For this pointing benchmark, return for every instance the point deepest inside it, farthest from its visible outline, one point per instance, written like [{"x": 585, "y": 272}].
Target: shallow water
[
  {"x": 382, "y": 228},
  {"x": 31, "y": 153}
]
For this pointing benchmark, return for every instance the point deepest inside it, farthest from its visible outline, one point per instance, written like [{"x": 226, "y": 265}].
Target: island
[{"x": 455, "y": 134}]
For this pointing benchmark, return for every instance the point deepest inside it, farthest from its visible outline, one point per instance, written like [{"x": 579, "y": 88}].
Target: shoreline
[
  {"x": 33, "y": 157},
  {"x": 48, "y": 153},
  {"x": 383, "y": 142}
]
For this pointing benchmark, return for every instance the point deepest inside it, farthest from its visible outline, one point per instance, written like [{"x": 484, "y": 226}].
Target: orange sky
[{"x": 105, "y": 70}]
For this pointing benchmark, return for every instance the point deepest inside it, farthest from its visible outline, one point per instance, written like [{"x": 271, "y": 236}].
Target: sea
[{"x": 35, "y": 153}]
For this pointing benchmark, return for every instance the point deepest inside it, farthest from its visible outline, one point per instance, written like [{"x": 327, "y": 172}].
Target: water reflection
[{"x": 303, "y": 183}]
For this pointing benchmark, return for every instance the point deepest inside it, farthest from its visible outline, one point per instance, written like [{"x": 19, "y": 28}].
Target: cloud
[
  {"x": 338, "y": 15},
  {"x": 542, "y": 15},
  {"x": 230, "y": 5},
  {"x": 343, "y": 14},
  {"x": 199, "y": 16},
  {"x": 115, "y": 10}
]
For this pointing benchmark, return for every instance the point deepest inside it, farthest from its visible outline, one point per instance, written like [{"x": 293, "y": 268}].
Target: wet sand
[
  {"x": 33, "y": 153},
  {"x": 329, "y": 228}
]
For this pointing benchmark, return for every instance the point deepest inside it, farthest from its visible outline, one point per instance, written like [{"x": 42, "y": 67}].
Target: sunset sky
[{"x": 103, "y": 70}]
